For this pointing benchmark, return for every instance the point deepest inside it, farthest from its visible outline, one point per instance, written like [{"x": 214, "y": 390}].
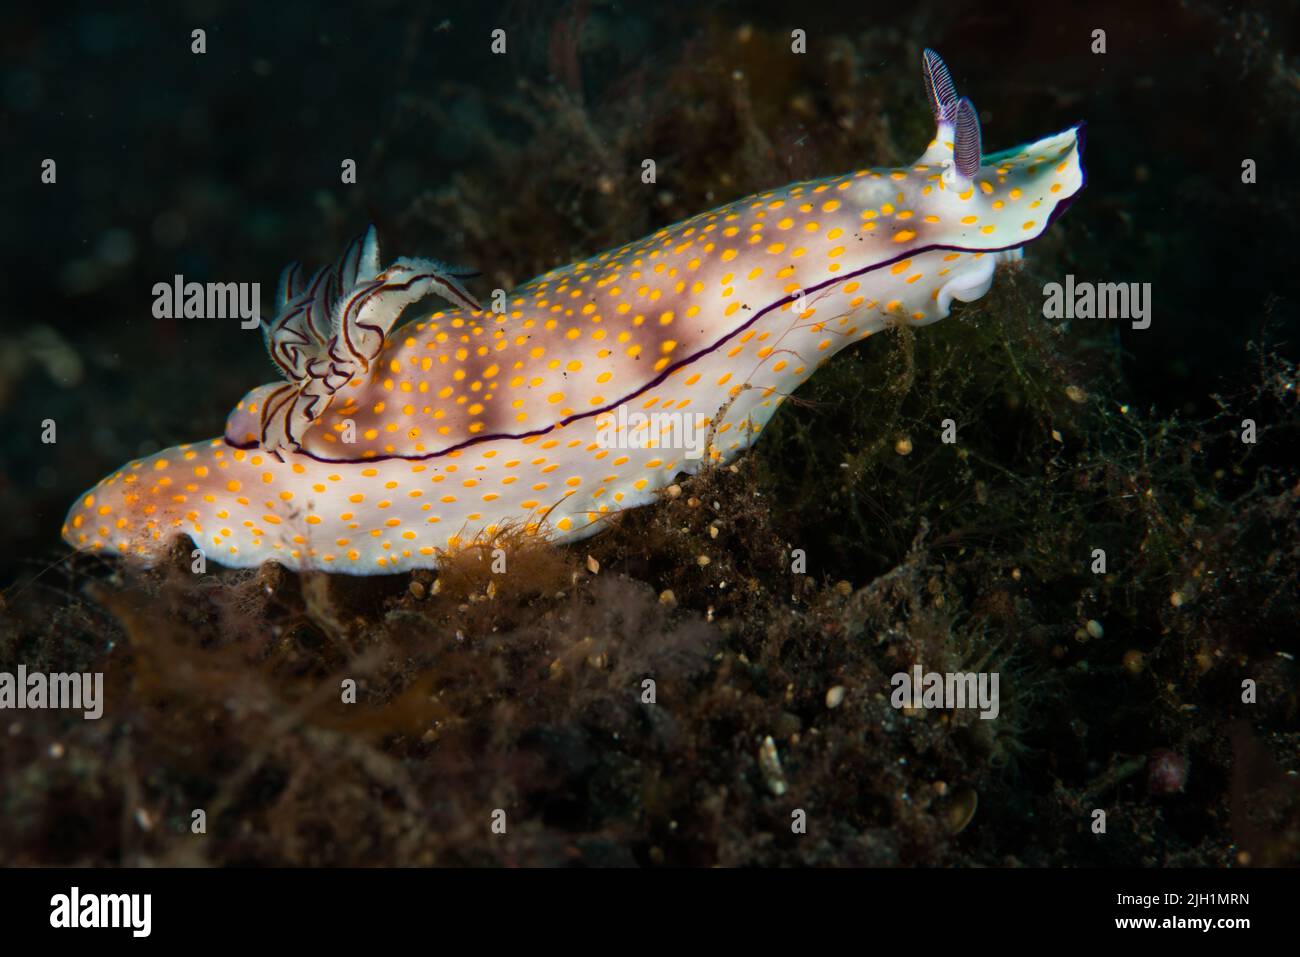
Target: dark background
[{"x": 225, "y": 166}]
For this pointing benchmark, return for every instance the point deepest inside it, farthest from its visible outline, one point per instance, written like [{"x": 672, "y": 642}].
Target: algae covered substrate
[{"x": 1101, "y": 512}]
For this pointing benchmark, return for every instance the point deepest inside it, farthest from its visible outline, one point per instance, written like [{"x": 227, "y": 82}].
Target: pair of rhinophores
[{"x": 384, "y": 449}]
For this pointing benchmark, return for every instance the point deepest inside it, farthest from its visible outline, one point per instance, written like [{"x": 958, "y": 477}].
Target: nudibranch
[{"x": 387, "y": 448}]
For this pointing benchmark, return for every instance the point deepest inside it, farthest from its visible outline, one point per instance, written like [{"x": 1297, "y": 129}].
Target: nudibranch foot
[{"x": 591, "y": 387}]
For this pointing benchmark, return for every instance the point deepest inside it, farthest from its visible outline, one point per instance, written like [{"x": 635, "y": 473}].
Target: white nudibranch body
[{"x": 385, "y": 447}]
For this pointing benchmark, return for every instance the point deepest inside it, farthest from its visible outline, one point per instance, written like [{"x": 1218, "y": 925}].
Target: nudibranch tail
[{"x": 598, "y": 383}]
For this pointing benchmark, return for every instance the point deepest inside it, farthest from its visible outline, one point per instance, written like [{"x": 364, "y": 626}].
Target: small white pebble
[{"x": 769, "y": 762}]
